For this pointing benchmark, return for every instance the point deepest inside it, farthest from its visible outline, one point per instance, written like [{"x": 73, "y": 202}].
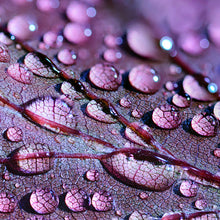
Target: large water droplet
[
  {"x": 102, "y": 201},
  {"x": 20, "y": 73},
  {"x": 4, "y": 53},
  {"x": 14, "y": 134},
  {"x": 205, "y": 124},
  {"x": 105, "y": 76},
  {"x": 166, "y": 116},
  {"x": 44, "y": 201},
  {"x": 95, "y": 111},
  {"x": 195, "y": 91},
  {"x": 8, "y": 202},
  {"x": 144, "y": 79},
  {"x": 32, "y": 164},
  {"x": 181, "y": 100},
  {"x": 76, "y": 200}
]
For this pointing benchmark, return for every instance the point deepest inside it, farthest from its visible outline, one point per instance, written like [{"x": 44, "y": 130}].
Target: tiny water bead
[
  {"x": 144, "y": 79},
  {"x": 44, "y": 201},
  {"x": 102, "y": 201},
  {"x": 200, "y": 204},
  {"x": 105, "y": 76},
  {"x": 166, "y": 116},
  {"x": 143, "y": 195},
  {"x": 52, "y": 39},
  {"x": 216, "y": 110},
  {"x": 4, "y": 53},
  {"x": 194, "y": 90},
  {"x": 181, "y": 100},
  {"x": 21, "y": 73},
  {"x": 188, "y": 188},
  {"x": 8, "y": 202},
  {"x": 137, "y": 113},
  {"x": 217, "y": 152},
  {"x": 95, "y": 111},
  {"x": 125, "y": 102},
  {"x": 112, "y": 41},
  {"x": 14, "y": 134},
  {"x": 47, "y": 5},
  {"x": 66, "y": 57},
  {"x": 92, "y": 175},
  {"x": 25, "y": 160},
  {"x": 39, "y": 65},
  {"x": 76, "y": 200},
  {"x": 205, "y": 124},
  {"x": 112, "y": 55}
]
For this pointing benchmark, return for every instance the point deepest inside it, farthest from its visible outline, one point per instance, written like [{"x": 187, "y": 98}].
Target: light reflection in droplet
[
  {"x": 91, "y": 12},
  {"x": 155, "y": 78},
  {"x": 204, "y": 43},
  {"x": 212, "y": 88},
  {"x": 32, "y": 27},
  {"x": 166, "y": 43},
  {"x": 88, "y": 32}
]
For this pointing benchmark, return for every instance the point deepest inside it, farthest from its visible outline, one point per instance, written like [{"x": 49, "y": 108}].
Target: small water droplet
[
  {"x": 4, "y": 53},
  {"x": 92, "y": 175},
  {"x": 188, "y": 188},
  {"x": 8, "y": 202},
  {"x": 181, "y": 100},
  {"x": 52, "y": 39},
  {"x": 217, "y": 152},
  {"x": 44, "y": 201},
  {"x": 105, "y": 76},
  {"x": 66, "y": 57},
  {"x": 102, "y": 201},
  {"x": 76, "y": 200},
  {"x": 14, "y": 134},
  {"x": 112, "y": 55},
  {"x": 216, "y": 110},
  {"x": 143, "y": 79},
  {"x": 136, "y": 113},
  {"x": 200, "y": 204},
  {"x": 166, "y": 116},
  {"x": 143, "y": 195},
  {"x": 140, "y": 215},
  {"x": 125, "y": 102},
  {"x": 205, "y": 124},
  {"x": 172, "y": 216}
]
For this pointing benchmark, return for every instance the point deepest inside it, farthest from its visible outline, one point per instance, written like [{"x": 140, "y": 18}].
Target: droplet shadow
[
  {"x": 62, "y": 205},
  {"x": 147, "y": 119},
  {"x": 24, "y": 204}
]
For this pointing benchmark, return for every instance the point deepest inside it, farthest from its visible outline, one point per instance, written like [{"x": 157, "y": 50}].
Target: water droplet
[
  {"x": 20, "y": 73},
  {"x": 39, "y": 66},
  {"x": 125, "y": 102},
  {"x": 44, "y": 201},
  {"x": 205, "y": 124},
  {"x": 4, "y": 53},
  {"x": 112, "y": 41},
  {"x": 140, "y": 173},
  {"x": 140, "y": 39},
  {"x": 172, "y": 216},
  {"x": 136, "y": 113},
  {"x": 195, "y": 91},
  {"x": 8, "y": 202},
  {"x": 112, "y": 55},
  {"x": 181, "y": 100},
  {"x": 166, "y": 116},
  {"x": 217, "y": 152},
  {"x": 6, "y": 176},
  {"x": 5, "y": 40},
  {"x": 140, "y": 215},
  {"x": 47, "y": 5},
  {"x": 105, "y": 76},
  {"x": 52, "y": 39},
  {"x": 102, "y": 201},
  {"x": 212, "y": 88},
  {"x": 46, "y": 110},
  {"x": 70, "y": 91},
  {"x": 174, "y": 69},
  {"x": 170, "y": 86},
  {"x": 188, "y": 188},
  {"x": 166, "y": 43},
  {"x": 200, "y": 204},
  {"x": 31, "y": 165},
  {"x": 132, "y": 136},
  {"x": 75, "y": 33},
  {"x": 76, "y": 200},
  {"x": 143, "y": 195},
  {"x": 216, "y": 110},
  {"x": 143, "y": 79},
  {"x": 14, "y": 134},
  {"x": 95, "y": 111},
  {"x": 79, "y": 12},
  {"x": 66, "y": 57},
  {"x": 92, "y": 175}
]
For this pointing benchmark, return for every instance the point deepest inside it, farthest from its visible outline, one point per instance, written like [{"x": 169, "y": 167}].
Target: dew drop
[
  {"x": 47, "y": 5},
  {"x": 136, "y": 113},
  {"x": 32, "y": 164},
  {"x": 4, "y": 53},
  {"x": 136, "y": 215},
  {"x": 105, "y": 76},
  {"x": 70, "y": 91},
  {"x": 5, "y": 40},
  {"x": 92, "y": 175},
  {"x": 66, "y": 57},
  {"x": 76, "y": 200},
  {"x": 172, "y": 216},
  {"x": 132, "y": 136},
  {"x": 140, "y": 173},
  {"x": 188, "y": 188},
  {"x": 112, "y": 55},
  {"x": 53, "y": 40},
  {"x": 46, "y": 110},
  {"x": 200, "y": 204},
  {"x": 44, "y": 201},
  {"x": 75, "y": 33},
  {"x": 166, "y": 116},
  {"x": 20, "y": 73},
  {"x": 144, "y": 79},
  {"x": 95, "y": 111},
  {"x": 143, "y": 195},
  {"x": 195, "y": 91},
  {"x": 170, "y": 86},
  {"x": 102, "y": 201},
  {"x": 217, "y": 152},
  {"x": 182, "y": 101},
  {"x": 125, "y": 102},
  {"x": 8, "y": 202},
  {"x": 216, "y": 110},
  {"x": 205, "y": 124},
  {"x": 39, "y": 65},
  {"x": 14, "y": 134},
  {"x": 112, "y": 41}
]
